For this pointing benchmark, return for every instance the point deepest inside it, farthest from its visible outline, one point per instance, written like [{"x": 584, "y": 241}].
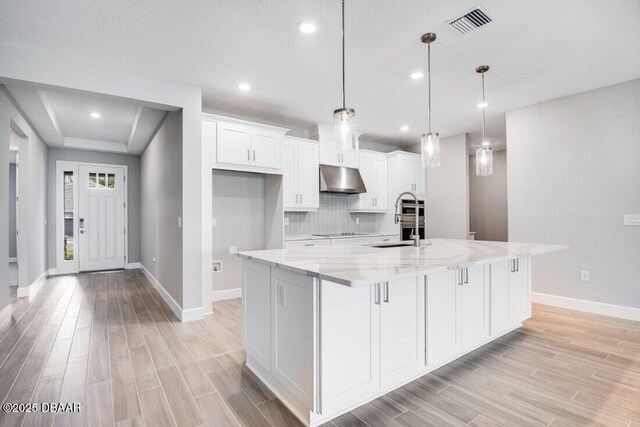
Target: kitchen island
[{"x": 328, "y": 329}]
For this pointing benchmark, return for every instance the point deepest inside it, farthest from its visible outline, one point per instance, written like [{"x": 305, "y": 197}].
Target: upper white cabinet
[
  {"x": 406, "y": 173},
  {"x": 329, "y": 153},
  {"x": 373, "y": 168},
  {"x": 300, "y": 175},
  {"x": 241, "y": 145}
]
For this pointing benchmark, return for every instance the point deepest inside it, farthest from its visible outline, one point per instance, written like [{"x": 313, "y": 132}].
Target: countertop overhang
[{"x": 363, "y": 265}]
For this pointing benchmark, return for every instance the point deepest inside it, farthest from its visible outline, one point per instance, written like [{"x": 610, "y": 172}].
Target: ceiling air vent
[{"x": 471, "y": 20}]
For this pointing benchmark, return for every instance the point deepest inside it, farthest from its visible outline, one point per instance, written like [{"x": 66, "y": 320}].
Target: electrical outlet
[
  {"x": 357, "y": 220},
  {"x": 179, "y": 222},
  {"x": 584, "y": 276},
  {"x": 233, "y": 249},
  {"x": 214, "y": 222},
  {"x": 286, "y": 221}
]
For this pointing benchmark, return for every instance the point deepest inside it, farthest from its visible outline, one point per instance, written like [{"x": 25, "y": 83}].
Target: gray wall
[
  {"x": 574, "y": 167},
  {"x": 161, "y": 190},
  {"x": 133, "y": 193},
  {"x": 488, "y": 200},
  {"x": 13, "y": 250},
  {"x": 33, "y": 177},
  {"x": 448, "y": 191},
  {"x": 238, "y": 206}
]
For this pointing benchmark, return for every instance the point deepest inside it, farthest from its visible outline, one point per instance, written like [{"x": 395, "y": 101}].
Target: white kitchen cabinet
[
  {"x": 292, "y": 332},
  {"x": 520, "y": 288},
  {"x": 474, "y": 306},
  {"x": 373, "y": 168},
  {"x": 345, "y": 241},
  {"x": 350, "y": 352},
  {"x": 510, "y": 294},
  {"x": 329, "y": 153},
  {"x": 306, "y": 243},
  {"x": 408, "y": 174},
  {"x": 444, "y": 340},
  {"x": 300, "y": 176},
  {"x": 402, "y": 335},
  {"x": 376, "y": 240},
  {"x": 242, "y": 145},
  {"x": 256, "y": 305}
]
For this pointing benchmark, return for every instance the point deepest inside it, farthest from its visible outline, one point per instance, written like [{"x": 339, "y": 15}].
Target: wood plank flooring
[{"x": 109, "y": 342}]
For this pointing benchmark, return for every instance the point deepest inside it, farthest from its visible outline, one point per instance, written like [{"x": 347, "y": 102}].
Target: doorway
[{"x": 91, "y": 214}]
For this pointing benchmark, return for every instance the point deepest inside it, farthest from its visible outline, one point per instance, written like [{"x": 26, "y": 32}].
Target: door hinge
[
  {"x": 124, "y": 178},
  {"x": 124, "y": 204}
]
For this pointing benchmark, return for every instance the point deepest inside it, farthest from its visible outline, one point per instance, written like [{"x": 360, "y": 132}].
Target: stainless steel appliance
[
  {"x": 338, "y": 179},
  {"x": 406, "y": 218}
]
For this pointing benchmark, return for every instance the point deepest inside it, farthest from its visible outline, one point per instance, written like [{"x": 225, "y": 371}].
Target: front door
[{"x": 101, "y": 218}]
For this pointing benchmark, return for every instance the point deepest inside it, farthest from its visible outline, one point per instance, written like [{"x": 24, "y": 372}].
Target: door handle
[
  {"x": 377, "y": 294},
  {"x": 459, "y": 278},
  {"x": 517, "y": 263},
  {"x": 386, "y": 292},
  {"x": 466, "y": 276}
]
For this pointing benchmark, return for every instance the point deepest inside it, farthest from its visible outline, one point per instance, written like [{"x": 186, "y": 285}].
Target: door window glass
[
  {"x": 93, "y": 181},
  {"x": 111, "y": 181},
  {"x": 69, "y": 238}
]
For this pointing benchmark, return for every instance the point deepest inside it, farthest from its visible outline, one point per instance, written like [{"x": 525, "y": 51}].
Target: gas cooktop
[{"x": 347, "y": 234}]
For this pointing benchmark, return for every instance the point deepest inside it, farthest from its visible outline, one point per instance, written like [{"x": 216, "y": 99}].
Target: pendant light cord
[
  {"x": 429, "y": 82},
  {"x": 344, "y": 102},
  {"x": 484, "y": 107}
]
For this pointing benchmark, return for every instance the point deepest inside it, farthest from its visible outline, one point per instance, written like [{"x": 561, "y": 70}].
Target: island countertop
[{"x": 363, "y": 265}]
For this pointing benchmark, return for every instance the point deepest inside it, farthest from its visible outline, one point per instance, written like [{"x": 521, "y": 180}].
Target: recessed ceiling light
[
  {"x": 404, "y": 128},
  {"x": 244, "y": 87},
  {"x": 417, "y": 75},
  {"x": 307, "y": 27},
  {"x": 483, "y": 105},
  {"x": 95, "y": 115}
]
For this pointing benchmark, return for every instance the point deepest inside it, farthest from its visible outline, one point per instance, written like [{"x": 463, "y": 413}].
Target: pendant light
[
  {"x": 344, "y": 118},
  {"x": 430, "y": 141},
  {"x": 484, "y": 153}
]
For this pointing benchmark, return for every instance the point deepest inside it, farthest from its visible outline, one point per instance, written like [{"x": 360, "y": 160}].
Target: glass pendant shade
[
  {"x": 344, "y": 124},
  {"x": 430, "y": 149},
  {"x": 484, "y": 161}
]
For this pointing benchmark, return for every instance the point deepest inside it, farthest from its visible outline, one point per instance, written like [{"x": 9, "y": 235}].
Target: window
[
  {"x": 111, "y": 181},
  {"x": 93, "y": 181},
  {"x": 68, "y": 214},
  {"x": 102, "y": 181}
]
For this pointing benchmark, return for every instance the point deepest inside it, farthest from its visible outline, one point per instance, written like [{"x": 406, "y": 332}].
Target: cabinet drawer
[
  {"x": 384, "y": 239},
  {"x": 306, "y": 243}
]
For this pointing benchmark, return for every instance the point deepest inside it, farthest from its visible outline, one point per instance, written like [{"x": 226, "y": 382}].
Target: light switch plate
[
  {"x": 179, "y": 222},
  {"x": 584, "y": 276},
  {"x": 214, "y": 222},
  {"x": 632, "y": 219}
]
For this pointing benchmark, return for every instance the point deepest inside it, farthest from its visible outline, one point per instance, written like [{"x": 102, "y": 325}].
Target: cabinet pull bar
[
  {"x": 254, "y": 155},
  {"x": 386, "y": 292},
  {"x": 300, "y": 197},
  {"x": 466, "y": 275},
  {"x": 377, "y": 294},
  {"x": 248, "y": 155}
]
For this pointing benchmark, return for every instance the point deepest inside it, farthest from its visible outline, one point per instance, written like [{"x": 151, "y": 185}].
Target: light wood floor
[{"x": 109, "y": 342}]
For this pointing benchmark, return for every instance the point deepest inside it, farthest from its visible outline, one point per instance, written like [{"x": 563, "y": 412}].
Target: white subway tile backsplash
[{"x": 332, "y": 217}]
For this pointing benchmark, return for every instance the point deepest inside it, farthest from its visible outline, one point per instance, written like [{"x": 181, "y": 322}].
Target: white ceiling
[
  {"x": 63, "y": 119},
  {"x": 537, "y": 49}
]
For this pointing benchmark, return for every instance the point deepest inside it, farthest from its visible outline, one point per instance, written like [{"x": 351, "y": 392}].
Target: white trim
[
  {"x": 34, "y": 287},
  {"x": 13, "y": 259},
  {"x": 621, "y": 311},
  {"x": 132, "y": 266},
  {"x": 183, "y": 315},
  {"x": 226, "y": 294}
]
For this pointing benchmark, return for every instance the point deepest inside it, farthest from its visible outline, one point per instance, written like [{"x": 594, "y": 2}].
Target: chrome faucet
[{"x": 416, "y": 234}]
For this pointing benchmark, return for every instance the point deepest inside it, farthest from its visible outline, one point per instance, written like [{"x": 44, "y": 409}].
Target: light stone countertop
[{"x": 363, "y": 265}]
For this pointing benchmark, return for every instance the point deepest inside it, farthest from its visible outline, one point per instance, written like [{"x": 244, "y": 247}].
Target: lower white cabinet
[
  {"x": 474, "y": 306},
  {"x": 402, "y": 335},
  {"x": 443, "y": 317},
  {"x": 256, "y": 305},
  {"x": 292, "y": 298},
  {"x": 510, "y": 294}
]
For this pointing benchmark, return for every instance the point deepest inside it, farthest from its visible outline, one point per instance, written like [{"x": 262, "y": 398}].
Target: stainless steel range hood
[{"x": 337, "y": 179}]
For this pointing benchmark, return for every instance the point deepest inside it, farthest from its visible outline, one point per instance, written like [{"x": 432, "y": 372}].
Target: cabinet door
[
  {"x": 329, "y": 155},
  {"x": 406, "y": 168},
  {"x": 256, "y": 304},
  {"x": 292, "y": 332},
  {"x": 350, "y": 351},
  {"x": 501, "y": 310},
  {"x": 380, "y": 173},
  {"x": 366, "y": 200},
  {"x": 474, "y": 307},
  {"x": 350, "y": 158},
  {"x": 419, "y": 177},
  {"x": 402, "y": 323},
  {"x": 233, "y": 144},
  {"x": 308, "y": 176},
  {"x": 443, "y": 317},
  {"x": 265, "y": 148},
  {"x": 520, "y": 289},
  {"x": 289, "y": 175}
]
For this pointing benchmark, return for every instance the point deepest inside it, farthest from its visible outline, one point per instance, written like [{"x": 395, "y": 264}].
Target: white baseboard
[
  {"x": 34, "y": 287},
  {"x": 13, "y": 259},
  {"x": 184, "y": 315},
  {"x": 226, "y": 294},
  {"x": 132, "y": 266},
  {"x": 621, "y": 311}
]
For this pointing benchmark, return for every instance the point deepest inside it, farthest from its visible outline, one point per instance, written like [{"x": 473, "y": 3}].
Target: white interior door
[{"x": 101, "y": 218}]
